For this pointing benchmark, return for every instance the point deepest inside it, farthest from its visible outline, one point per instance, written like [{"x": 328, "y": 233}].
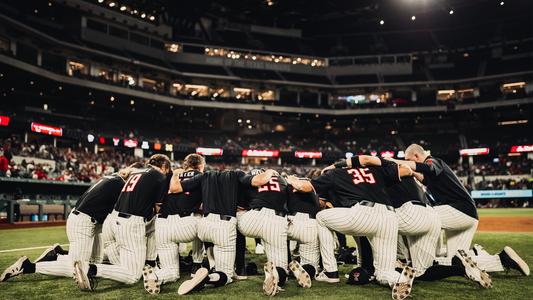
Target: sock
[
  {"x": 310, "y": 270},
  {"x": 240, "y": 253},
  {"x": 282, "y": 276},
  {"x": 438, "y": 272},
  {"x": 342, "y": 239},
  {"x": 92, "y": 270},
  {"x": 151, "y": 263},
  {"x": 28, "y": 267}
]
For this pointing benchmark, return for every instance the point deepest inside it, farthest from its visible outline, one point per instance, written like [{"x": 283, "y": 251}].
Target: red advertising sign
[
  {"x": 474, "y": 151},
  {"x": 209, "y": 151},
  {"x": 130, "y": 143},
  {"x": 4, "y": 120},
  {"x": 260, "y": 153},
  {"x": 522, "y": 148},
  {"x": 46, "y": 129},
  {"x": 307, "y": 154}
]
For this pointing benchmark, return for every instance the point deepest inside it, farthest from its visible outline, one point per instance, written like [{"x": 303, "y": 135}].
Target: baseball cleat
[
  {"x": 195, "y": 283},
  {"x": 151, "y": 283},
  {"x": 300, "y": 274},
  {"x": 403, "y": 286},
  {"x": 400, "y": 264},
  {"x": 81, "y": 276},
  {"x": 511, "y": 260},
  {"x": 239, "y": 277},
  {"x": 270, "y": 285},
  {"x": 472, "y": 271},
  {"x": 329, "y": 277},
  {"x": 49, "y": 254},
  {"x": 14, "y": 270},
  {"x": 479, "y": 250},
  {"x": 195, "y": 267}
]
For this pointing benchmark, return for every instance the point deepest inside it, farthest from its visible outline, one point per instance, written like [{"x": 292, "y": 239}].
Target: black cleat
[
  {"x": 14, "y": 270},
  {"x": 511, "y": 260},
  {"x": 50, "y": 254},
  {"x": 195, "y": 267}
]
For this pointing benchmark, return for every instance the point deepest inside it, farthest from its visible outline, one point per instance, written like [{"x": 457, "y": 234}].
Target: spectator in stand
[{"x": 4, "y": 164}]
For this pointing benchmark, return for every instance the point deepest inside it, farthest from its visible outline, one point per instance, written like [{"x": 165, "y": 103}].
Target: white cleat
[
  {"x": 403, "y": 286},
  {"x": 473, "y": 272},
  {"x": 322, "y": 276},
  {"x": 511, "y": 260},
  {"x": 81, "y": 276},
  {"x": 302, "y": 277},
  {"x": 270, "y": 285},
  {"x": 13, "y": 270},
  {"x": 151, "y": 283},
  {"x": 194, "y": 283}
]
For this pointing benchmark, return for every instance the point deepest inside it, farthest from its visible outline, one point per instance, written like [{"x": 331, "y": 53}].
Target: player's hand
[
  {"x": 330, "y": 167},
  {"x": 406, "y": 170},
  {"x": 291, "y": 179}
]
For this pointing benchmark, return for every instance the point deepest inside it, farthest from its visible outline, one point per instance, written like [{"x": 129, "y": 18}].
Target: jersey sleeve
[
  {"x": 193, "y": 183},
  {"x": 323, "y": 183},
  {"x": 431, "y": 167},
  {"x": 391, "y": 170},
  {"x": 246, "y": 179}
]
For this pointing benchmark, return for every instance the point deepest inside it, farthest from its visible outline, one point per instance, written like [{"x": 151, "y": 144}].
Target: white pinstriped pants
[
  {"x": 421, "y": 226},
  {"x": 111, "y": 250},
  {"x": 223, "y": 234},
  {"x": 169, "y": 232},
  {"x": 459, "y": 229},
  {"x": 85, "y": 245},
  {"x": 272, "y": 230},
  {"x": 130, "y": 237},
  {"x": 377, "y": 223},
  {"x": 305, "y": 230}
]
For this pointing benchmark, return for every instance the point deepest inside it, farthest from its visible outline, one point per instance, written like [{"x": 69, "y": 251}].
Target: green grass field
[{"x": 506, "y": 285}]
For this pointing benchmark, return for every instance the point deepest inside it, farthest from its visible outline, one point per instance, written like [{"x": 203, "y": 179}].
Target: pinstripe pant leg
[
  {"x": 305, "y": 231},
  {"x": 274, "y": 236},
  {"x": 223, "y": 234},
  {"x": 130, "y": 235},
  {"x": 167, "y": 249},
  {"x": 197, "y": 251},
  {"x": 111, "y": 250},
  {"x": 151, "y": 253},
  {"x": 97, "y": 255},
  {"x": 384, "y": 243},
  {"x": 459, "y": 229},
  {"x": 489, "y": 263}
]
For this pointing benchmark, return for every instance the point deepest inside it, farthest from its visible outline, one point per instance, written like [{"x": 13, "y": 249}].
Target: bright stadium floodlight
[
  {"x": 123, "y": 8},
  {"x": 451, "y": 11},
  {"x": 413, "y": 18},
  {"x": 381, "y": 22},
  {"x": 502, "y": 3}
]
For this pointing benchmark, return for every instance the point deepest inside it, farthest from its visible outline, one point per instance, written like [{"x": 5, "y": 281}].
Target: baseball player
[
  {"x": 176, "y": 223},
  {"x": 267, "y": 220},
  {"x": 303, "y": 228},
  {"x": 220, "y": 194},
  {"x": 457, "y": 211},
  {"x": 367, "y": 211},
  {"x": 84, "y": 227},
  {"x": 133, "y": 211}
]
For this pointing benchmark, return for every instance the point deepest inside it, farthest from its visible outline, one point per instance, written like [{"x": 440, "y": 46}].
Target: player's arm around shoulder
[
  {"x": 300, "y": 185},
  {"x": 263, "y": 178},
  {"x": 175, "y": 183}
]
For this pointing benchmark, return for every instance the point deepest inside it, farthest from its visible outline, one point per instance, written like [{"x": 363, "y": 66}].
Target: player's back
[
  {"x": 187, "y": 202},
  {"x": 303, "y": 202},
  {"x": 273, "y": 195},
  {"x": 142, "y": 190},
  {"x": 99, "y": 199},
  {"x": 406, "y": 190}
]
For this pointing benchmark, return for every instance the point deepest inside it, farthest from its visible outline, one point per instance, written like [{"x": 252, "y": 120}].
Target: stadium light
[
  {"x": 413, "y": 18},
  {"x": 381, "y": 22},
  {"x": 123, "y": 8},
  {"x": 451, "y": 11},
  {"x": 100, "y": 1},
  {"x": 112, "y": 4},
  {"x": 502, "y": 3}
]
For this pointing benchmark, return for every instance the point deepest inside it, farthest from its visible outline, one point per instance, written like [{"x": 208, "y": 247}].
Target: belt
[
  {"x": 278, "y": 213},
  {"x": 127, "y": 216},
  {"x": 419, "y": 203},
  {"x": 222, "y": 217},
  {"x": 308, "y": 214},
  {"x": 181, "y": 214},
  {"x": 77, "y": 212},
  {"x": 371, "y": 204}
]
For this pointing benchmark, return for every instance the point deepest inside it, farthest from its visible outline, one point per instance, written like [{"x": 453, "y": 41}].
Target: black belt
[
  {"x": 127, "y": 216},
  {"x": 278, "y": 213},
  {"x": 371, "y": 204},
  {"x": 419, "y": 203},
  {"x": 77, "y": 212},
  {"x": 222, "y": 217},
  {"x": 181, "y": 214},
  {"x": 299, "y": 212}
]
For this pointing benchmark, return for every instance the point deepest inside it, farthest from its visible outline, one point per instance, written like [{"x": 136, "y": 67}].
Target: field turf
[{"x": 506, "y": 285}]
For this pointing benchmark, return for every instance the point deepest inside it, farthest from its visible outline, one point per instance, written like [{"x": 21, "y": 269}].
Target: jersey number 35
[{"x": 360, "y": 175}]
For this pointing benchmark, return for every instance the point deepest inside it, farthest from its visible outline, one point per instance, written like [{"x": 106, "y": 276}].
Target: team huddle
[{"x": 128, "y": 225}]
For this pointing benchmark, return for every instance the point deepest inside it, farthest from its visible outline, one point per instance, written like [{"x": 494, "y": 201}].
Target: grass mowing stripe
[{"x": 30, "y": 248}]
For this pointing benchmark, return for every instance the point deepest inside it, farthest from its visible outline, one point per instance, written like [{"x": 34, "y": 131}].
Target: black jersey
[
  {"x": 303, "y": 202},
  {"x": 187, "y": 202},
  {"x": 144, "y": 188},
  {"x": 405, "y": 191},
  {"x": 358, "y": 183},
  {"x": 274, "y": 194},
  {"x": 99, "y": 199},
  {"x": 221, "y": 190},
  {"x": 445, "y": 186}
]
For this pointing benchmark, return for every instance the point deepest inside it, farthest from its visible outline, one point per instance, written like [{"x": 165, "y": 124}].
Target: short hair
[
  {"x": 193, "y": 161},
  {"x": 159, "y": 160},
  {"x": 415, "y": 148},
  {"x": 136, "y": 165}
]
